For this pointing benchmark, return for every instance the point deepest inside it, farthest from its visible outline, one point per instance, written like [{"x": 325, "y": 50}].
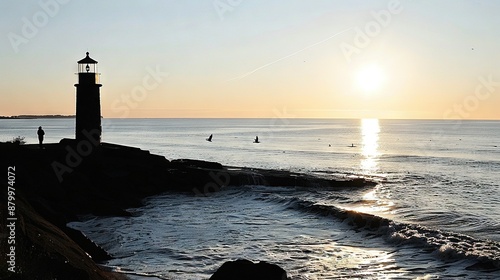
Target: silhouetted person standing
[{"x": 40, "y": 133}]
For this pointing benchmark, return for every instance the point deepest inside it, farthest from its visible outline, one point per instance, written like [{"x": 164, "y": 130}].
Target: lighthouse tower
[{"x": 88, "y": 104}]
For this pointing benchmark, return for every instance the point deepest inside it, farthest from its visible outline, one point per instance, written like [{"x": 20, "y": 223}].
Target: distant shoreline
[{"x": 38, "y": 117}]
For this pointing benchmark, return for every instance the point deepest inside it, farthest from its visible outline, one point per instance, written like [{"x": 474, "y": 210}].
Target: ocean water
[{"x": 434, "y": 214}]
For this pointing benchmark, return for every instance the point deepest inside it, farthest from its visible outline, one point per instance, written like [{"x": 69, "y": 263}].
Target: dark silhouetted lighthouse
[{"x": 88, "y": 103}]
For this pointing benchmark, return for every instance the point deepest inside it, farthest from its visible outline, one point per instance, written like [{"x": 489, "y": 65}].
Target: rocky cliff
[{"x": 54, "y": 185}]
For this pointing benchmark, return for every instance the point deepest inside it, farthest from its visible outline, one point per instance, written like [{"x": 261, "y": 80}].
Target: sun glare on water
[{"x": 370, "y": 78}]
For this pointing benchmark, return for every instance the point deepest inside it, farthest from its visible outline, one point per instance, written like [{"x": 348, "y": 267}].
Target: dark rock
[
  {"x": 247, "y": 270},
  {"x": 95, "y": 251},
  {"x": 43, "y": 251},
  {"x": 196, "y": 163}
]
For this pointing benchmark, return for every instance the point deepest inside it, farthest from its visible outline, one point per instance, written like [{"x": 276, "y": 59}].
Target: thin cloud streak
[{"x": 287, "y": 56}]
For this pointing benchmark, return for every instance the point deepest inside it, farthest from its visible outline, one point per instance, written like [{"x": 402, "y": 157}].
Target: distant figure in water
[
  {"x": 209, "y": 139},
  {"x": 40, "y": 133},
  {"x": 256, "y": 139},
  {"x": 352, "y": 145}
]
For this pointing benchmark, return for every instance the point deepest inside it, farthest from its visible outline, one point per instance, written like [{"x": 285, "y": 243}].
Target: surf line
[{"x": 287, "y": 56}]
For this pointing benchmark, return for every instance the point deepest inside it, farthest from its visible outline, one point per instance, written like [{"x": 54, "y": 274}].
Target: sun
[{"x": 370, "y": 78}]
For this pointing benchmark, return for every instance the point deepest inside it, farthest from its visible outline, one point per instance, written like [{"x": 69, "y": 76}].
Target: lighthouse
[{"x": 88, "y": 103}]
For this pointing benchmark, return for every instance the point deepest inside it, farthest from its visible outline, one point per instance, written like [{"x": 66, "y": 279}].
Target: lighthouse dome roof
[{"x": 87, "y": 60}]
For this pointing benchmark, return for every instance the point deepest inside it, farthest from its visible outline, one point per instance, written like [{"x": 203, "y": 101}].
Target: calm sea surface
[{"x": 435, "y": 213}]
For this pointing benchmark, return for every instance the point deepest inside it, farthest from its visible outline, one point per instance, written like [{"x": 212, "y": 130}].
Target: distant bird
[
  {"x": 209, "y": 139},
  {"x": 256, "y": 139}
]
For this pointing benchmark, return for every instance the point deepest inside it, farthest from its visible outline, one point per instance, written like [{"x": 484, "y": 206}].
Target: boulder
[{"x": 247, "y": 270}]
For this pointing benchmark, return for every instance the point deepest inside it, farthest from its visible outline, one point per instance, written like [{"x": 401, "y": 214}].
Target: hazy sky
[{"x": 255, "y": 58}]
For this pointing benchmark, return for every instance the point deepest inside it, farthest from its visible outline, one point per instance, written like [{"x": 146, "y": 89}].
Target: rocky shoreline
[{"x": 55, "y": 185}]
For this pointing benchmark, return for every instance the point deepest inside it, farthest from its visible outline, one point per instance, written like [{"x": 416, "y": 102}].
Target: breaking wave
[{"x": 448, "y": 246}]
